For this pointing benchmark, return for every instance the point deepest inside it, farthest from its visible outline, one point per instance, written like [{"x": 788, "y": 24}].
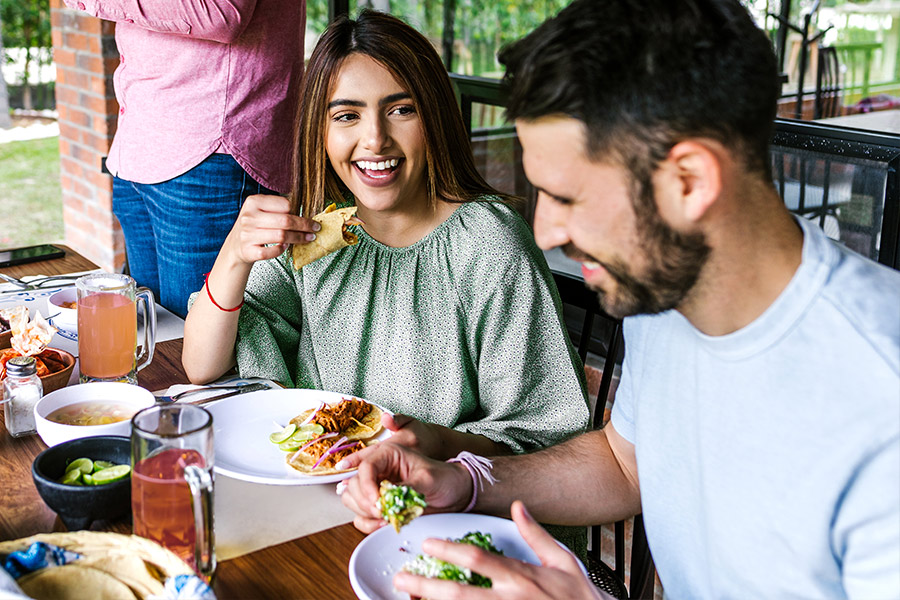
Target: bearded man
[{"x": 756, "y": 424}]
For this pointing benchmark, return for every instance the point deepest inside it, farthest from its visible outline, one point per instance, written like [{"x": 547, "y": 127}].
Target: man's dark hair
[{"x": 643, "y": 75}]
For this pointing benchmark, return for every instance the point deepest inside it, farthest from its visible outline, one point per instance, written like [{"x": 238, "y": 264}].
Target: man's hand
[
  {"x": 446, "y": 487},
  {"x": 559, "y": 575},
  {"x": 407, "y": 431}
]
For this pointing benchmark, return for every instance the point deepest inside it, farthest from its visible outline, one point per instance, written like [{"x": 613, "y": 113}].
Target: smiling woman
[{"x": 444, "y": 312}]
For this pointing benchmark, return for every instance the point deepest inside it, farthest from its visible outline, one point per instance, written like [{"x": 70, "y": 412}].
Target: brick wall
[{"x": 85, "y": 54}]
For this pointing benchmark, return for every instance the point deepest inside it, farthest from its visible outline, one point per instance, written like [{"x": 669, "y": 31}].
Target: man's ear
[{"x": 690, "y": 180}]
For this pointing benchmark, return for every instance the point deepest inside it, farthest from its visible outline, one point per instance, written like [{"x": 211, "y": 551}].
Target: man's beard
[{"x": 674, "y": 261}]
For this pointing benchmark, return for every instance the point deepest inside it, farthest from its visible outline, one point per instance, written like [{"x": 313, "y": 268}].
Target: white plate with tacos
[
  {"x": 291, "y": 437},
  {"x": 384, "y": 552}
]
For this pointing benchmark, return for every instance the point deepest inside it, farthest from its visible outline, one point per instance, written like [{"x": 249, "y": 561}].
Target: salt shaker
[{"x": 22, "y": 389}]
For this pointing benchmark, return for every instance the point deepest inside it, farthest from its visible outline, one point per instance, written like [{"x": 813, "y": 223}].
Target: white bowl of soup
[
  {"x": 89, "y": 409},
  {"x": 64, "y": 309}
]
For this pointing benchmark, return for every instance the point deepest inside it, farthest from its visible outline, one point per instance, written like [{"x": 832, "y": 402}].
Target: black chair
[
  {"x": 828, "y": 84},
  {"x": 573, "y": 293},
  {"x": 843, "y": 179}
]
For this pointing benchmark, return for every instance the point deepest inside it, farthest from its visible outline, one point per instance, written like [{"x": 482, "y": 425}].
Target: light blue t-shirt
[{"x": 769, "y": 458}]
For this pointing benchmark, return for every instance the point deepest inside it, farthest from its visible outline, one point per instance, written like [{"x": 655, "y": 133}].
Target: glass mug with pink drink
[
  {"x": 107, "y": 327},
  {"x": 172, "y": 481}
]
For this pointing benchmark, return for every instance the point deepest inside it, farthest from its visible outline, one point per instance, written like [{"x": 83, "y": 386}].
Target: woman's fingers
[{"x": 265, "y": 227}]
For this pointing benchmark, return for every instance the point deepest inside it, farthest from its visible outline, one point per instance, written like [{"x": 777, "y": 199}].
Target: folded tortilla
[
  {"x": 304, "y": 462},
  {"x": 333, "y": 236}
]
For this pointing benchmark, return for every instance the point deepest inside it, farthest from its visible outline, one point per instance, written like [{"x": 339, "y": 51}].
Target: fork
[{"x": 35, "y": 284}]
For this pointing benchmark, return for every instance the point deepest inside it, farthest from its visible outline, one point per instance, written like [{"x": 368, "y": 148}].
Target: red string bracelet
[{"x": 216, "y": 304}]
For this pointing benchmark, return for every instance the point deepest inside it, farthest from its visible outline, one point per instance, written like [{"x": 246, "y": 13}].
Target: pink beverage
[
  {"x": 107, "y": 335},
  {"x": 161, "y": 501}
]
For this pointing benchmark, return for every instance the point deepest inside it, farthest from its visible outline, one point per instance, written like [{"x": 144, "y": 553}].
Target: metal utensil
[
  {"x": 36, "y": 284},
  {"x": 14, "y": 281},
  {"x": 235, "y": 390}
]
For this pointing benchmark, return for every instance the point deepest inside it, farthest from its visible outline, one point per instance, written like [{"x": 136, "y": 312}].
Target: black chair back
[{"x": 828, "y": 84}]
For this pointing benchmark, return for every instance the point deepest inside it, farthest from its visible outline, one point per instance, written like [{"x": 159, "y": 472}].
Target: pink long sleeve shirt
[{"x": 203, "y": 76}]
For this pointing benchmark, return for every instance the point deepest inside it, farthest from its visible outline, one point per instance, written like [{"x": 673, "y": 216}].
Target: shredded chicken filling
[{"x": 338, "y": 417}]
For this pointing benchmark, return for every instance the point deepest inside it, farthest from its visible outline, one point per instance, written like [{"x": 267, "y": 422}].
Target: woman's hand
[{"x": 265, "y": 227}]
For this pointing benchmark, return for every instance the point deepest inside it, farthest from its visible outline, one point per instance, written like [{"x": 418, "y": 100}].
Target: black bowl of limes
[{"x": 86, "y": 480}]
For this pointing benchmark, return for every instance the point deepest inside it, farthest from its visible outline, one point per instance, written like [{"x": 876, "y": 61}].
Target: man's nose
[{"x": 549, "y": 223}]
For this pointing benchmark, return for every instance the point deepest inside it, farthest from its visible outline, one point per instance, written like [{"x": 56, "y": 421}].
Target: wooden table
[{"x": 314, "y": 566}]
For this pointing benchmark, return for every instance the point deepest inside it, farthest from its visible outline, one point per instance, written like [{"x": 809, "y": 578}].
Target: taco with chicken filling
[
  {"x": 347, "y": 425},
  {"x": 333, "y": 236}
]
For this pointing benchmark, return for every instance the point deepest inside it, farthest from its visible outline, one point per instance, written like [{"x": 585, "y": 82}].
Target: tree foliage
[
  {"x": 480, "y": 27},
  {"x": 26, "y": 25}
]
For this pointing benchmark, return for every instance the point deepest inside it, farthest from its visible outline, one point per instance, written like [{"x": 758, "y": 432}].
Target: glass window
[{"x": 839, "y": 59}]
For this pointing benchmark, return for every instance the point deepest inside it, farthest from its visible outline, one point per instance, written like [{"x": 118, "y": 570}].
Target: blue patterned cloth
[
  {"x": 183, "y": 587},
  {"x": 39, "y": 555}
]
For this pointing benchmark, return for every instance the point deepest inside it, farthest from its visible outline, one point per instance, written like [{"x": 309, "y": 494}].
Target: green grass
[{"x": 30, "y": 195}]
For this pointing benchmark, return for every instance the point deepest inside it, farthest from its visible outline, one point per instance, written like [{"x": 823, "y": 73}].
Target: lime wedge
[
  {"x": 280, "y": 436},
  {"x": 85, "y": 465},
  {"x": 71, "y": 477},
  {"x": 88, "y": 479},
  {"x": 290, "y": 445},
  {"x": 111, "y": 474},
  {"x": 99, "y": 465},
  {"x": 307, "y": 432}
]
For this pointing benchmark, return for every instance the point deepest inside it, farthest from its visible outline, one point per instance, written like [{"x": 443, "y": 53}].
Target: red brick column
[{"x": 85, "y": 54}]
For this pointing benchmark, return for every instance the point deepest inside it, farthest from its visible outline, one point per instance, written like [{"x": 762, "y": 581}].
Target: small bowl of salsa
[{"x": 89, "y": 409}]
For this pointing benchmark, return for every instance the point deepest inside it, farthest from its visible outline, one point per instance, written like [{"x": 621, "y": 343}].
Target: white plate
[
  {"x": 242, "y": 424},
  {"x": 384, "y": 552}
]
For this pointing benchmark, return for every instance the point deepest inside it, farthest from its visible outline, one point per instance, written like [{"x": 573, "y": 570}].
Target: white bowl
[
  {"x": 121, "y": 393},
  {"x": 66, "y": 318}
]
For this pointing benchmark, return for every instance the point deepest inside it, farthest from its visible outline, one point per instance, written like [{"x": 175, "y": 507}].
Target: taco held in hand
[
  {"x": 333, "y": 236},
  {"x": 348, "y": 426}
]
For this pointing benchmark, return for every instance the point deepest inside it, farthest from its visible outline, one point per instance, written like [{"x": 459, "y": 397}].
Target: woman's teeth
[{"x": 367, "y": 165}]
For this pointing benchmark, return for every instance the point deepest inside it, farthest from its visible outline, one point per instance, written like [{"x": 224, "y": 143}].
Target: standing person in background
[{"x": 207, "y": 94}]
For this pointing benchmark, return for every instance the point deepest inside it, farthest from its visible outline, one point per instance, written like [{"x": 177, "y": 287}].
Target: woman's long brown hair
[{"x": 413, "y": 61}]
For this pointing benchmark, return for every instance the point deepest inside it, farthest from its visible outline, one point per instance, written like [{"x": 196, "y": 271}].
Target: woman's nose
[{"x": 376, "y": 135}]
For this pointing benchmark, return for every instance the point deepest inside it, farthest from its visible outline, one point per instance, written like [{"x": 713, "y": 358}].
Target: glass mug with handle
[
  {"x": 172, "y": 481},
  {"x": 107, "y": 327}
]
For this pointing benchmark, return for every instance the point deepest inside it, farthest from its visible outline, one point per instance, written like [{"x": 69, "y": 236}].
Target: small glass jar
[{"x": 22, "y": 388}]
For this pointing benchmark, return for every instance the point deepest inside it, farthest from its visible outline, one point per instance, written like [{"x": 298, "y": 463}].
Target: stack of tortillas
[{"x": 113, "y": 566}]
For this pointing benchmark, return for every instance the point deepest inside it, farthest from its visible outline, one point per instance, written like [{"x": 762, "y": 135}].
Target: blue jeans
[{"x": 174, "y": 229}]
